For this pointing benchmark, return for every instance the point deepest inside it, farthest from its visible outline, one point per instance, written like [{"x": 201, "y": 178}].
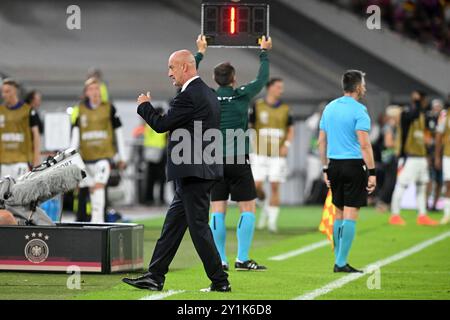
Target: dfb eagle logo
[{"x": 36, "y": 250}]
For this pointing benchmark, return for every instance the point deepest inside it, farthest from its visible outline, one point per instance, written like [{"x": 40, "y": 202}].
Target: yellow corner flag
[{"x": 328, "y": 214}]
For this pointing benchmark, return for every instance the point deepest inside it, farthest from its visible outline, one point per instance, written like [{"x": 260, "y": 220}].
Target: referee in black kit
[
  {"x": 196, "y": 103},
  {"x": 348, "y": 164}
]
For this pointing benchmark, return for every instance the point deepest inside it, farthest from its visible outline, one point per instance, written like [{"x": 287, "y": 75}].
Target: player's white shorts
[
  {"x": 413, "y": 170},
  {"x": 273, "y": 169},
  {"x": 96, "y": 172},
  {"x": 14, "y": 170},
  {"x": 446, "y": 168}
]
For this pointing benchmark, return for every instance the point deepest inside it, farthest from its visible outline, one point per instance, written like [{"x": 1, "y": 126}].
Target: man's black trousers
[{"x": 189, "y": 209}]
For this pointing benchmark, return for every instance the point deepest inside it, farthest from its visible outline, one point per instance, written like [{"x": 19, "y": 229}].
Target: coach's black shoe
[
  {"x": 346, "y": 269},
  {"x": 249, "y": 265},
  {"x": 217, "y": 288},
  {"x": 144, "y": 282}
]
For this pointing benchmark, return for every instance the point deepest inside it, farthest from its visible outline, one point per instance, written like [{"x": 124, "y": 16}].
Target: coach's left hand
[
  {"x": 144, "y": 98},
  {"x": 371, "y": 184}
]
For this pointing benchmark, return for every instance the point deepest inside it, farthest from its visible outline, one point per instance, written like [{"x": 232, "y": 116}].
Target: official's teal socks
[
  {"x": 219, "y": 232},
  {"x": 245, "y": 230},
  {"x": 336, "y": 236},
  {"x": 345, "y": 243}
]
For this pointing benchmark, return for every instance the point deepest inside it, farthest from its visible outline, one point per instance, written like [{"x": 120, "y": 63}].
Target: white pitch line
[
  {"x": 302, "y": 250},
  {"x": 163, "y": 295},
  {"x": 369, "y": 268}
]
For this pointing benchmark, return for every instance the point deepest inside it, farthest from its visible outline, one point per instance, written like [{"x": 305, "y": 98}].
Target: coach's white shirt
[{"x": 188, "y": 82}]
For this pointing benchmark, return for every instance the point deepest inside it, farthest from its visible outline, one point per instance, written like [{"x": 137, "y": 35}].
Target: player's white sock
[
  {"x": 446, "y": 217},
  {"x": 447, "y": 207},
  {"x": 397, "y": 199},
  {"x": 262, "y": 222},
  {"x": 421, "y": 194},
  {"x": 263, "y": 217},
  {"x": 273, "y": 213},
  {"x": 98, "y": 206}
]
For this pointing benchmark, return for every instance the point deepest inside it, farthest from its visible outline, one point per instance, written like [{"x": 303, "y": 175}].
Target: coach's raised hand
[{"x": 144, "y": 98}]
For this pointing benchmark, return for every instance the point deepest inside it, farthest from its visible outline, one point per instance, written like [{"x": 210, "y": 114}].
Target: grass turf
[{"x": 424, "y": 275}]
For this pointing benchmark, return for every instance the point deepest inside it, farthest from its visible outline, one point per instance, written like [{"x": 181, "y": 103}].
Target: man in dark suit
[{"x": 195, "y": 104}]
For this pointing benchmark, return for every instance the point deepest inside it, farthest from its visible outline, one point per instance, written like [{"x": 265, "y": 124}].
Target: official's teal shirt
[
  {"x": 340, "y": 120},
  {"x": 235, "y": 103}
]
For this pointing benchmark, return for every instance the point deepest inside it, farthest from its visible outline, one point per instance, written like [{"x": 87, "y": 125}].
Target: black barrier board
[{"x": 100, "y": 248}]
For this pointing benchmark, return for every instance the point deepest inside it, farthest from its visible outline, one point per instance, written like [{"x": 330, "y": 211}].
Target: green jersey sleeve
[
  {"x": 251, "y": 89},
  {"x": 198, "y": 57}
]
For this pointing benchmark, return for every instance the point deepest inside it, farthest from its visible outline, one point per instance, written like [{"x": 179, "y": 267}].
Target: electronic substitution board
[{"x": 235, "y": 23}]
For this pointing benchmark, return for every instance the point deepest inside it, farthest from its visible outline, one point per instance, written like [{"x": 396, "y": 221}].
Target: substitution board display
[{"x": 235, "y": 24}]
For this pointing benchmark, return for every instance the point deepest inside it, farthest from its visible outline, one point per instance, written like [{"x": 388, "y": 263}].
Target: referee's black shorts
[
  {"x": 237, "y": 181},
  {"x": 348, "y": 179}
]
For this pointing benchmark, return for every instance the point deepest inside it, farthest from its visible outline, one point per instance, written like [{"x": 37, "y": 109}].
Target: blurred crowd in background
[
  {"x": 385, "y": 142},
  {"x": 426, "y": 21},
  {"x": 384, "y": 136},
  {"x": 148, "y": 156}
]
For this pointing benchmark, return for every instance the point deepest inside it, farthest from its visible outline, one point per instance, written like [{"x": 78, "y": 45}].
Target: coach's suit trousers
[{"x": 189, "y": 209}]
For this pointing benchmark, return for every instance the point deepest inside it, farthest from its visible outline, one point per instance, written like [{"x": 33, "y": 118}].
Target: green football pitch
[{"x": 415, "y": 264}]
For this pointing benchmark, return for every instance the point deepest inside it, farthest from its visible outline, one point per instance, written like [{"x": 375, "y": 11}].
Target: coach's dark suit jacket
[{"x": 197, "y": 102}]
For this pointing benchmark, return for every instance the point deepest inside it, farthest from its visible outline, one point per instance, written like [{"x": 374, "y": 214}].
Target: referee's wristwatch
[
  {"x": 372, "y": 172},
  {"x": 325, "y": 169}
]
